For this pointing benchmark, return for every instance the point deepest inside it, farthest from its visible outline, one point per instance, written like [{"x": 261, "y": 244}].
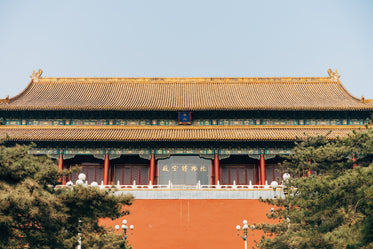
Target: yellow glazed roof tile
[
  {"x": 185, "y": 94},
  {"x": 170, "y": 133}
]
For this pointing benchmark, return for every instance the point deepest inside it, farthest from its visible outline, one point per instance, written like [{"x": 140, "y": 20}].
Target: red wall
[{"x": 162, "y": 224}]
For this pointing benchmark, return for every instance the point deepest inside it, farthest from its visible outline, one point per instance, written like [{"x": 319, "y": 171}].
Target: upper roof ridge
[
  {"x": 184, "y": 79},
  {"x": 185, "y": 94},
  {"x": 333, "y": 76}
]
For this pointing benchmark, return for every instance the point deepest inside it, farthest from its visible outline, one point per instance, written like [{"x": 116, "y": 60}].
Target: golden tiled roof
[
  {"x": 170, "y": 133},
  {"x": 185, "y": 94}
]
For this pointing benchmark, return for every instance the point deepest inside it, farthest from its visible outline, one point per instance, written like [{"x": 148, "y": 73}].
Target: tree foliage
[
  {"x": 332, "y": 208},
  {"x": 36, "y": 214}
]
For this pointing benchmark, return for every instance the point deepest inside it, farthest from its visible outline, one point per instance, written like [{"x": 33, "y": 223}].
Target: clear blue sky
[{"x": 170, "y": 38}]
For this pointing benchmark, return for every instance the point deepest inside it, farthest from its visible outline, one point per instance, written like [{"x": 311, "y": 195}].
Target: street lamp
[
  {"x": 245, "y": 229},
  {"x": 274, "y": 186},
  {"x": 124, "y": 228},
  {"x": 286, "y": 177},
  {"x": 81, "y": 179},
  {"x": 79, "y": 234}
]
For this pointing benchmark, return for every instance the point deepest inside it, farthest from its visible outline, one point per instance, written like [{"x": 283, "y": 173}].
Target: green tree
[
  {"x": 36, "y": 214},
  {"x": 333, "y": 208}
]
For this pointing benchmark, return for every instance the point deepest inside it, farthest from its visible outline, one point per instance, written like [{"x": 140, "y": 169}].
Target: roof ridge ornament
[
  {"x": 6, "y": 100},
  {"x": 333, "y": 75},
  {"x": 36, "y": 76}
]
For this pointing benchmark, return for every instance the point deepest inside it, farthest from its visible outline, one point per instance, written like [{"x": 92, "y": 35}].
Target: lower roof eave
[{"x": 161, "y": 140}]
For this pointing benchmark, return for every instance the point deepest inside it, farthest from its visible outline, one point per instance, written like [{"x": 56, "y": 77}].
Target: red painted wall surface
[{"x": 186, "y": 224}]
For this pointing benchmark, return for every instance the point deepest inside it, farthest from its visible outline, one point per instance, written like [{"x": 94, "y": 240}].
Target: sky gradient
[{"x": 168, "y": 38}]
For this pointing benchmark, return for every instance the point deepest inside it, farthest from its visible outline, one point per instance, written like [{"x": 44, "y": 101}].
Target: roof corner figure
[
  {"x": 6, "y": 100},
  {"x": 35, "y": 76},
  {"x": 332, "y": 75}
]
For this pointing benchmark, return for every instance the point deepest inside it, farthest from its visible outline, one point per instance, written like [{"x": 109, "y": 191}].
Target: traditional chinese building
[
  {"x": 183, "y": 130},
  {"x": 191, "y": 132}
]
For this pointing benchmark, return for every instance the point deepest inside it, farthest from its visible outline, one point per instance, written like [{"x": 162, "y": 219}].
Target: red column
[
  {"x": 354, "y": 160},
  {"x": 216, "y": 168},
  {"x": 60, "y": 167},
  {"x": 309, "y": 172},
  {"x": 60, "y": 161},
  {"x": 106, "y": 169},
  {"x": 263, "y": 176},
  {"x": 152, "y": 168}
]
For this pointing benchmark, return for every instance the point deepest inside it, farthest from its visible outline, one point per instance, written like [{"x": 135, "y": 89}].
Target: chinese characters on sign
[
  {"x": 185, "y": 118},
  {"x": 184, "y": 168}
]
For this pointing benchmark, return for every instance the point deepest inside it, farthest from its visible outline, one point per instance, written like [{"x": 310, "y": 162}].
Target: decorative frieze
[
  {"x": 166, "y": 152},
  {"x": 203, "y": 122}
]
